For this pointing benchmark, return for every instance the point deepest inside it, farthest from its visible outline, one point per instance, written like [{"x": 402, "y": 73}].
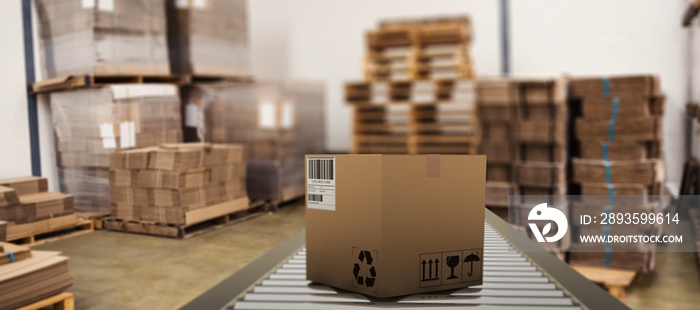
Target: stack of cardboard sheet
[
  {"x": 29, "y": 208},
  {"x": 277, "y": 122},
  {"x": 90, "y": 124},
  {"x": 175, "y": 183},
  {"x": 30, "y": 276},
  {"x": 103, "y": 37},
  {"x": 497, "y": 105},
  {"x": 541, "y": 139},
  {"x": 618, "y": 166},
  {"x": 208, "y": 37},
  {"x": 406, "y": 49}
]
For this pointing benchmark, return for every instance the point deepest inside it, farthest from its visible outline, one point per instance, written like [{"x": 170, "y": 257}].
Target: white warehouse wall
[{"x": 14, "y": 129}]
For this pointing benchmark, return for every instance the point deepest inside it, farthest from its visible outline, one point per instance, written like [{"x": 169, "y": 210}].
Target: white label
[
  {"x": 267, "y": 114},
  {"x": 105, "y": 5},
  {"x": 127, "y": 135},
  {"x": 320, "y": 183},
  {"x": 287, "y": 115},
  {"x": 191, "y": 115},
  {"x": 106, "y": 130},
  {"x": 109, "y": 143},
  {"x": 88, "y": 4},
  {"x": 199, "y": 4}
]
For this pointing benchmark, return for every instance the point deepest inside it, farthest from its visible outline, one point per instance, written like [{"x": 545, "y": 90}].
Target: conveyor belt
[{"x": 512, "y": 280}]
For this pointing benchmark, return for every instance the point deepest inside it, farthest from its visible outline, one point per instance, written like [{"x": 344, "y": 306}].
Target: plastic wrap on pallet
[
  {"x": 277, "y": 122},
  {"x": 102, "y": 37},
  {"x": 198, "y": 45},
  {"x": 90, "y": 124}
]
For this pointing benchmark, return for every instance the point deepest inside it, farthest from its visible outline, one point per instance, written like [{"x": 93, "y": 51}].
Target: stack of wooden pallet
[
  {"x": 410, "y": 49},
  {"x": 277, "y": 122},
  {"x": 618, "y": 164},
  {"x": 416, "y": 117},
  {"x": 497, "y": 110},
  {"x": 176, "y": 184},
  {"x": 29, "y": 208},
  {"x": 92, "y": 123},
  {"x": 541, "y": 140}
]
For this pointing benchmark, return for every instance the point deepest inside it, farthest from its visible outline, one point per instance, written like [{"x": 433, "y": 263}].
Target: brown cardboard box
[
  {"x": 390, "y": 225},
  {"x": 26, "y": 185},
  {"x": 45, "y": 205},
  {"x": 19, "y": 253},
  {"x": 8, "y": 196}
]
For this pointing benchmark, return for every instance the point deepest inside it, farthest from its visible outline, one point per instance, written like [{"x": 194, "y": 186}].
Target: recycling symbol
[{"x": 365, "y": 264}]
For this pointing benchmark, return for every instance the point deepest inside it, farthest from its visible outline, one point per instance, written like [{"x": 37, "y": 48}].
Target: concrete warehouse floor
[{"x": 127, "y": 271}]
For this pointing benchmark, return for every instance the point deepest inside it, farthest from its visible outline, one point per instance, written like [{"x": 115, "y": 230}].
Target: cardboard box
[
  {"x": 390, "y": 225},
  {"x": 8, "y": 196},
  {"x": 26, "y": 185},
  {"x": 46, "y": 205}
]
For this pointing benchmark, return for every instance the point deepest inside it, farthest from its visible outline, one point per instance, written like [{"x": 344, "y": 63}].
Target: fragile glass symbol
[{"x": 452, "y": 262}]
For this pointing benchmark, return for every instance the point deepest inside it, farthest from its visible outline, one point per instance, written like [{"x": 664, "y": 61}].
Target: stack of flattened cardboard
[
  {"x": 618, "y": 167},
  {"x": 178, "y": 183},
  {"x": 29, "y": 208},
  {"x": 198, "y": 44},
  {"x": 90, "y": 124},
  {"x": 103, "y": 37},
  {"x": 407, "y": 49},
  {"x": 541, "y": 139},
  {"x": 30, "y": 276},
  {"x": 497, "y": 105},
  {"x": 278, "y": 122}
]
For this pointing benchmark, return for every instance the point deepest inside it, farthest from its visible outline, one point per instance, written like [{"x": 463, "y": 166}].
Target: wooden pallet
[
  {"x": 614, "y": 280},
  {"x": 256, "y": 209},
  {"x": 97, "y": 80},
  {"x": 81, "y": 227},
  {"x": 63, "y": 301},
  {"x": 96, "y": 218}
]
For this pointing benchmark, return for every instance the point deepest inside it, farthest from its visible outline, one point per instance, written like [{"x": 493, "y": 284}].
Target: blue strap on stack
[
  {"x": 608, "y": 169},
  {"x": 12, "y": 256}
]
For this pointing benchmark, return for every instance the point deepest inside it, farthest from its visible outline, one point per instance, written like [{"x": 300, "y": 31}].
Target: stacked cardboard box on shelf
[
  {"x": 90, "y": 124},
  {"x": 277, "y": 122},
  {"x": 29, "y": 276},
  {"x": 410, "y": 49},
  {"x": 103, "y": 37},
  {"x": 619, "y": 135},
  {"x": 178, "y": 184},
  {"x": 497, "y": 108},
  {"x": 416, "y": 117},
  {"x": 28, "y": 207},
  {"x": 197, "y": 43}
]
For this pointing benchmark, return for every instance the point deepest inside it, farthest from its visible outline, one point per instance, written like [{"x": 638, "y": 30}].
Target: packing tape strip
[
  {"x": 611, "y": 193},
  {"x": 611, "y": 130},
  {"x": 12, "y": 256},
  {"x": 606, "y": 87},
  {"x": 615, "y": 107},
  {"x": 608, "y": 171}
]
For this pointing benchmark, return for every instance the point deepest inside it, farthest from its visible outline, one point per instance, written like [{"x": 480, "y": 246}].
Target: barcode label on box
[{"x": 320, "y": 183}]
